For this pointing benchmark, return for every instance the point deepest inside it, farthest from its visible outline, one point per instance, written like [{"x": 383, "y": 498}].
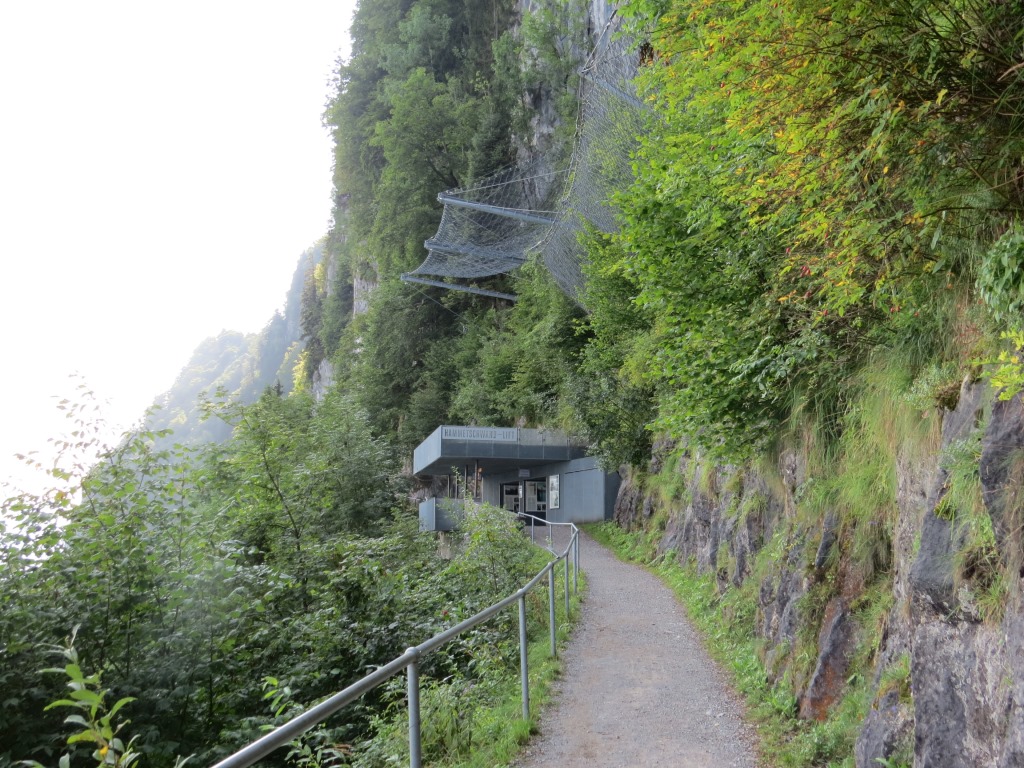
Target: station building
[{"x": 543, "y": 473}]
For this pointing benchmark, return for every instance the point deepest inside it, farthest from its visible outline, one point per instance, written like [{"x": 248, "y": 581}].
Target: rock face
[
  {"x": 323, "y": 379},
  {"x": 887, "y": 726},
  {"x": 362, "y": 288},
  {"x": 966, "y": 684},
  {"x": 1002, "y": 469},
  {"x": 629, "y": 506},
  {"x": 947, "y": 657},
  {"x": 958, "y": 677},
  {"x": 836, "y": 643}
]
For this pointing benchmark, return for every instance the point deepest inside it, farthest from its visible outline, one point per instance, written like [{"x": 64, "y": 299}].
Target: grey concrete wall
[
  {"x": 439, "y": 514},
  {"x": 491, "y": 492},
  {"x": 586, "y": 492}
]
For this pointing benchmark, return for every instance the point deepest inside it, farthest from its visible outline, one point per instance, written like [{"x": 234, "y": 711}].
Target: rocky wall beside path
[{"x": 947, "y": 676}]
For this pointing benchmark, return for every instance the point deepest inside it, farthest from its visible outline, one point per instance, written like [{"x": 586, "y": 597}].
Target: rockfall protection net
[{"x": 492, "y": 227}]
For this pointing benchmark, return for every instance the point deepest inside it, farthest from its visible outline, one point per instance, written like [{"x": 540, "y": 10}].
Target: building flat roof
[{"x": 494, "y": 449}]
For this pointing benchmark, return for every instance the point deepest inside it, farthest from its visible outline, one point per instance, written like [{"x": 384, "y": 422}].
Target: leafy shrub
[
  {"x": 97, "y": 722},
  {"x": 1001, "y": 278}
]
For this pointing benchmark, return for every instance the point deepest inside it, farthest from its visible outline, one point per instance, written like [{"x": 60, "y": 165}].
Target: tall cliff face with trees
[
  {"x": 437, "y": 95},
  {"x": 811, "y": 314}
]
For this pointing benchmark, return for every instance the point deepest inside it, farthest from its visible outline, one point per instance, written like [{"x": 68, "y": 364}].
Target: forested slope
[{"x": 438, "y": 95}]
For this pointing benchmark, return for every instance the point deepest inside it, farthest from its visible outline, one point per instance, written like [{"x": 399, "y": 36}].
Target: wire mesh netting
[
  {"x": 494, "y": 226},
  {"x": 611, "y": 119}
]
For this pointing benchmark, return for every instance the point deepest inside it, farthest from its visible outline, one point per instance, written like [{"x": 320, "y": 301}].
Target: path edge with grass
[
  {"x": 725, "y": 623},
  {"x": 509, "y": 733}
]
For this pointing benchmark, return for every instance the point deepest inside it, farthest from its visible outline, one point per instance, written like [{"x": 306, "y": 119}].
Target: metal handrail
[
  {"x": 574, "y": 542},
  {"x": 409, "y": 660}
]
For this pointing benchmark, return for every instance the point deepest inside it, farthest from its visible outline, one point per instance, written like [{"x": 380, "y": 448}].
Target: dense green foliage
[
  {"x": 819, "y": 179},
  {"x": 193, "y": 576}
]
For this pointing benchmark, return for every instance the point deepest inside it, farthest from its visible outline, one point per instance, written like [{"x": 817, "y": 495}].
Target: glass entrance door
[{"x": 537, "y": 497}]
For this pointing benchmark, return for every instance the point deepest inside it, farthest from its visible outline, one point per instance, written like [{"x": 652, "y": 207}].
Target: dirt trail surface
[{"x": 637, "y": 687}]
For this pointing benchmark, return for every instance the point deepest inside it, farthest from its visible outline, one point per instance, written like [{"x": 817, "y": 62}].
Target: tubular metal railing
[
  {"x": 410, "y": 660},
  {"x": 574, "y": 543}
]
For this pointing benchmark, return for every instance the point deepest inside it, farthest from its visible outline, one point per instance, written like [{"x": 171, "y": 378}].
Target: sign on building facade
[{"x": 489, "y": 434}]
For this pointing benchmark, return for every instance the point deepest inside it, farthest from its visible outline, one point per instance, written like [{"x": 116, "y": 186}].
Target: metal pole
[
  {"x": 570, "y": 553},
  {"x": 497, "y": 210},
  {"x": 406, "y": 278},
  {"x": 551, "y": 610},
  {"x": 533, "y": 536},
  {"x": 524, "y": 673},
  {"x": 576, "y": 564},
  {"x": 567, "y": 586},
  {"x": 415, "y": 756}
]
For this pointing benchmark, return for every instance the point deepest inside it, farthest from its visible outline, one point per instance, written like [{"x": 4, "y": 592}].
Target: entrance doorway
[
  {"x": 536, "y": 498},
  {"x": 510, "y": 497}
]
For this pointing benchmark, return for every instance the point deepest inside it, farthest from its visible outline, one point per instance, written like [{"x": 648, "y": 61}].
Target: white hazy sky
[{"x": 162, "y": 167}]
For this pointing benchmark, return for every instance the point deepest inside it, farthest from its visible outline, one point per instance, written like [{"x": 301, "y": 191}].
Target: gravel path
[{"x": 637, "y": 687}]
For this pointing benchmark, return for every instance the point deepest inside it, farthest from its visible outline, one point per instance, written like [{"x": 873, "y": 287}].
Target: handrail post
[
  {"x": 524, "y": 657},
  {"x": 576, "y": 563},
  {"x": 570, "y": 553},
  {"x": 415, "y": 753},
  {"x": 567, "y": 558},
  {"x": 551, "y": 609}
]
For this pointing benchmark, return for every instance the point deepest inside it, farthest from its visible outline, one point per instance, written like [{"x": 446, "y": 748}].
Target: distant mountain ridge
[{"x": 240, "y": 365}]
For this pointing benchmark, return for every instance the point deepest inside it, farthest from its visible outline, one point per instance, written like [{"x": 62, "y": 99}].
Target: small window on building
[{"x": 553, "y": 492}]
